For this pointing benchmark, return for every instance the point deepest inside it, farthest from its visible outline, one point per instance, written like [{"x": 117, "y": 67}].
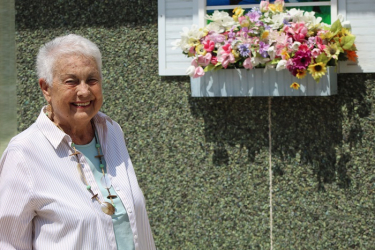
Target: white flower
[
  {"x": 310, "y": 19},
  {"x": 296, "y": 15},
  {"x": 189, "y": 38},
  {"x": 222, "y": 18},
  {"x": 190, "y": 71},
  {"x": 256, "y": 60},
  {"x": 271, "y": 52},
  {"x": 281, "y": 65},
  {"x": 345, "y": 24},
  {"x": 277, "y": 20},
  {"x": 295, "y": 45},
  {"x": 215, "y": 27}
]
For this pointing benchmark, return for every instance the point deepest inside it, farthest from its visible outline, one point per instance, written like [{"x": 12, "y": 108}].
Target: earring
[{"x": 49, "y": 111}]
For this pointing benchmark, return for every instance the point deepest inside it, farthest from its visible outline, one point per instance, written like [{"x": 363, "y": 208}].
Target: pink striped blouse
[{"x": 45, "y": 205}]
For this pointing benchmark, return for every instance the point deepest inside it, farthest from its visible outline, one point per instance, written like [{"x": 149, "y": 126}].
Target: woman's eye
[
  {"x": 92, "y": 81},
  {"x": 70, "y": 82}
]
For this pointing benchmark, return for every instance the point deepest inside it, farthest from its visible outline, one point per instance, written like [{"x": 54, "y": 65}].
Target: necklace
[{"x": 106, "y": 207}]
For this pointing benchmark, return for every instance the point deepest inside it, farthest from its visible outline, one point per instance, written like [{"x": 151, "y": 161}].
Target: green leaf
[
  {"x": 217, "y": 67},
  {"x": 275, "y": 61},
  {"x": 322, "y": 58},
  {"x": 347, "y": 42},
  {"x": 209, "y": 67},
  {"x": 336, "y": 26}
]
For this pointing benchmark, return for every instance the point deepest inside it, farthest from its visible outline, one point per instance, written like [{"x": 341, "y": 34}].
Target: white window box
[
  {"x": 176, "y": 14},
  {"x": 243, "y": 82}
]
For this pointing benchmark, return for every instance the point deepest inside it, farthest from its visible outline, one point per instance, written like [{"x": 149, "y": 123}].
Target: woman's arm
[{"x": 16, "y": 210}]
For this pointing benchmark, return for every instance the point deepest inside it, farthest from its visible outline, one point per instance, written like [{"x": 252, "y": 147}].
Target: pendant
[{"x": 107, "y": 208}]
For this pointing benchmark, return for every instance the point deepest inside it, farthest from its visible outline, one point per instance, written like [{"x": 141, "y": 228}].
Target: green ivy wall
[{"x": 203, "y": 162}]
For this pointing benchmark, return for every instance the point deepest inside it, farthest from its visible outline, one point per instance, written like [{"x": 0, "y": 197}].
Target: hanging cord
[{"x": 270, "y": 167}]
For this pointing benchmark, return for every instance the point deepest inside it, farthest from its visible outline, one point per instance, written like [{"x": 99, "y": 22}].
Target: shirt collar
[{"x": 55, "y": 136}]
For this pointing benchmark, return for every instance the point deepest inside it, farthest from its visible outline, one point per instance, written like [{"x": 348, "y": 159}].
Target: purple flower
[
  {"x": 263, "y": 47},
  {"x": 254, "y": 14},
  {"x": 231, "y": 34},
  {"x": 311, "y": 42},
  {"x": 245, "y": 29},
  {"x": 267, "y": 27},
  {"x": 244, "y": 50},
  {"x": 286, "y": 22}
]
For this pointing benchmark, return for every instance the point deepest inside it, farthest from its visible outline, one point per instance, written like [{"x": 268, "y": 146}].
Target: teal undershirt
[{"x": 121, "y": 225}]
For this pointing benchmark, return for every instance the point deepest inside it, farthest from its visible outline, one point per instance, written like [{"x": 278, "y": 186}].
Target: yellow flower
[
  {"x": 332, "y": 51},
  {"x": 294, "y": 85},
  {"x": 265, "y": 34},
  {"x": 301, "y": 73},
  {"x": 272, "y": 7},
  {"x": 279, "y": 6},
  {"x": 285, "y": 55},
  {"x": 344, "y": 32},
  {"x": 327, "y": 35},
  {"x": 205, "y": 31},
  {"x": 237, "y": 12},
  {"x": 317, "y": 70},
  {"x": 310, "y": 33},
  {"x": 200, "y": 50},
  {"x": 235, "y": 53},
  {"x": 193, "y": 42}
]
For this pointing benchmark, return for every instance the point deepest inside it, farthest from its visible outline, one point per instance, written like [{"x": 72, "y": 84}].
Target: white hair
[{"x": 64, "y": 45}]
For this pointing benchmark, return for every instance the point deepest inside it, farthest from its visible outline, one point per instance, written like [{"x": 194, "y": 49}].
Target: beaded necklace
[{"x": 106, "y": 207}]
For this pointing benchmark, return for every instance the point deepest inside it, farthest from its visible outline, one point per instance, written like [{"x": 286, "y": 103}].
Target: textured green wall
[
  {"x": 203, "y": 162},
  {"x": 8, "y": 114}
]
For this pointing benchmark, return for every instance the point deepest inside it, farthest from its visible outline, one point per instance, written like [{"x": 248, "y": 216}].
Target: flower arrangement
[{"x": 268, "y": 37}]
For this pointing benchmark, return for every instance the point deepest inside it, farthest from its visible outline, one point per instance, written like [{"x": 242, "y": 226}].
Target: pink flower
[
  {"x": 301, "y": 59},
  {"x": 227, "y": 48},
  {"x": 194, "y": 63},
  {"x": 216, "y": 38},
  {"x": 225, "y": 56},
  {"x": 244, "y": 22},
  {"x": 289, "y": 64},
  {"x": 192, "y": 50},
  {"x": 226, "y": 59},
  {"x": 264, "y": 6},
  {"x": 213, "y": 60},
  {"x": 298, "y": 31},
  {"x": 247, "y": 63},
  {"x": 315, "y": 52},
  {"x": 319, "y": 43},
  {"x": 198, "y": 72},
  {"x": 304, "y": 48},
  {"x": 209, "y": 45},
  {"x": 204, "y": 60}
]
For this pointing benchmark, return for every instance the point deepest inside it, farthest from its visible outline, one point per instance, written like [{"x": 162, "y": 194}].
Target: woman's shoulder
[
  {"x": 104, "y": 119},
  {"x": 24, "y": 137}
]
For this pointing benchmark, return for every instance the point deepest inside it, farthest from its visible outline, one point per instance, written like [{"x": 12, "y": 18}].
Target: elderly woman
[{"x": 67, "y": 182}]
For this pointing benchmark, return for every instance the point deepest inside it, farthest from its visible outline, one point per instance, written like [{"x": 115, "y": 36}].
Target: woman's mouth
[{"x": 81, "y": 104}]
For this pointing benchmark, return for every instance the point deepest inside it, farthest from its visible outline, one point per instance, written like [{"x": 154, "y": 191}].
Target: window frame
[{"x": 332, "y": 4}]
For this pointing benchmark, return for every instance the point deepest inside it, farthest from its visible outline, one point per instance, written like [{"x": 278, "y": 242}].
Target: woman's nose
[{"x": 83, "y": 89}]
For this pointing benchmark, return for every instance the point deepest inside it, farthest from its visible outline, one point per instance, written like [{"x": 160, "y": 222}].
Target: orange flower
[
  {"x": 301, "y": 73},
  {"x": 352, "y": 56},
  {"x": 295, "y": 85}
]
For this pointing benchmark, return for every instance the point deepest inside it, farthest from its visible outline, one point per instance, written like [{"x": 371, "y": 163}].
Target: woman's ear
[{"x": 46, "y": 89}]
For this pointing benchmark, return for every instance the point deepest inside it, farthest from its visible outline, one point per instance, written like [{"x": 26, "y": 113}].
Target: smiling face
[{"x": 76, "y": 92}]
